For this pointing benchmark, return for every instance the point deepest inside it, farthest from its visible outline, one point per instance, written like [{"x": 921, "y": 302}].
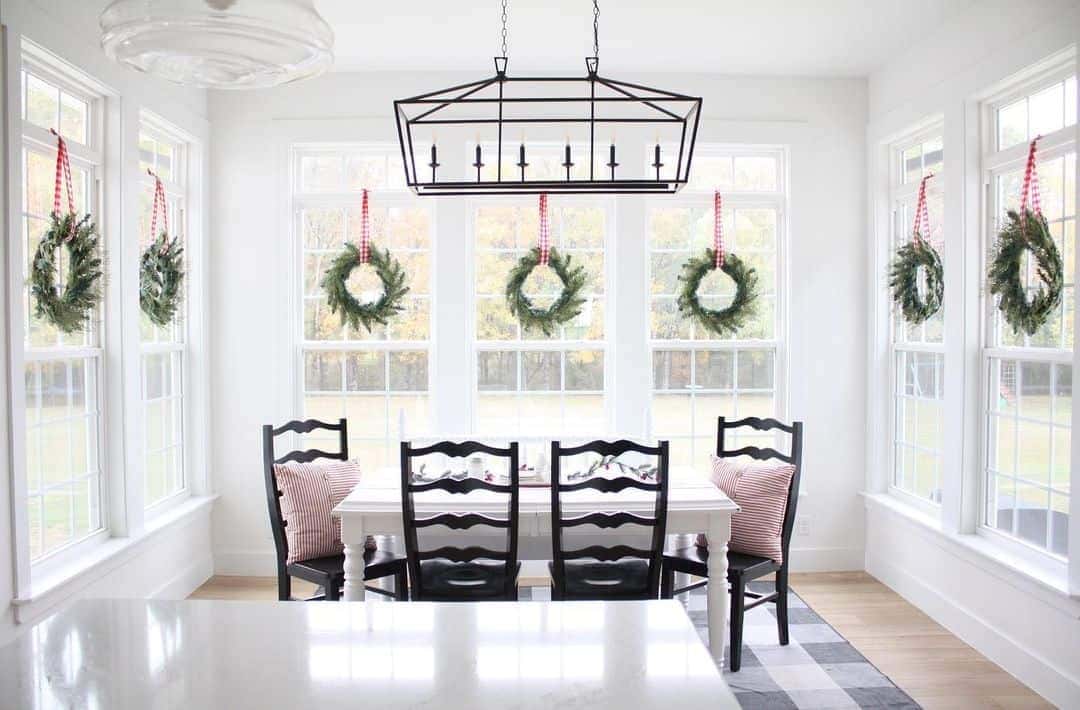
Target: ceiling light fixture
[
  {"x": 219, "y": 44},
  {"x": 571, "y": 124}
]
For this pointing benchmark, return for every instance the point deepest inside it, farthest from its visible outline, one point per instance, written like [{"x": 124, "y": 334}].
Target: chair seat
[
  {"x": 622, "y": 579},
  {"x": 683, "y": 555},
  {"x": 443, "y": 580},
  {"x": 388, "y": 558}
]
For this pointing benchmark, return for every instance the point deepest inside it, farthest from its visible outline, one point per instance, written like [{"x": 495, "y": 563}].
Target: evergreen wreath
[
  {"x": 71, "y": 310},
  {"x": 353, "y": 312},
  {"x": 564, "y": 309},
  {"x": 161, "y": 274},
  {"x": 904, "y": 281},
  {"x": 1026, "y": 233},
  {"x": 725, "y": 320}
]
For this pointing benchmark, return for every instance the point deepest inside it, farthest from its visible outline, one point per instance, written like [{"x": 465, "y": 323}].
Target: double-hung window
[
  {"x": 918, "y": 350},
  {"x": 163, "y": 352},
  {"x": 528, "y": 384},
  {"x": 64, "y": 467},
  {"x": 377, "y": 380},
  {"x": 1028, "y": 396},
  {"x": 699, "y": 375}
]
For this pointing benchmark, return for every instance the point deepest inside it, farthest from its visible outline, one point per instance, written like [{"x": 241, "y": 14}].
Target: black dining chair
[
  {"x": 327, "y": 572},
  {"x": 682, "y": 554},
  {"x": 616, "y": 571},
  {"x": 461, "y": 573}
]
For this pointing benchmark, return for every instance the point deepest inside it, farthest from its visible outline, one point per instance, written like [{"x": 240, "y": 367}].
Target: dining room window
[
  {"x": 1028, "y": 378},
  {"x": 63, "y": 395},
  {"x": 378, "y": 380},
  {"x": 163, "y": 152},
  {"x": 698, "y": 375},
  {"x": 917, "y": 350},
  {"x": 529, "y": 384}
]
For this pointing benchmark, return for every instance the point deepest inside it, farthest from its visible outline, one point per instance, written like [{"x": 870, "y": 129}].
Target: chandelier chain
[
  {"x": 504, "y": 28},
  {"x": 596, "y": 28}
]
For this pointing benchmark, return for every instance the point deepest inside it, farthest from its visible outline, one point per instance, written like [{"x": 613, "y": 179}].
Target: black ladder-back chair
[
  {"x": 470, "y": 573},
  {"x": 620, "y": 571},
  {"x": 682, "y": 555},
  {"x": 327, "y": 572}
]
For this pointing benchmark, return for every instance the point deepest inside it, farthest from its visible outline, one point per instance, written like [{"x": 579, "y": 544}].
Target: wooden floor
[{"x": 937, "y": 669}]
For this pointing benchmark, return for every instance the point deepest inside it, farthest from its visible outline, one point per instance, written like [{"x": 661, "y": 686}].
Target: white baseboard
[
  {"x": 827, "y": 559},
  {"x": 186, "y": 581},
  {"x": 1039, "y": 673},
  {"x": 245, "y": 563}
]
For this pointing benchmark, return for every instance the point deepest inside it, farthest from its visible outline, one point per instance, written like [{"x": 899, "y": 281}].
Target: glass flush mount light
[{"x": 219, "y": 44}]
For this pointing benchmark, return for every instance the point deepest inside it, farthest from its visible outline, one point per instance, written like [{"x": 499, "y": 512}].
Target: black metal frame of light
[{"x": 664, "y": 109}]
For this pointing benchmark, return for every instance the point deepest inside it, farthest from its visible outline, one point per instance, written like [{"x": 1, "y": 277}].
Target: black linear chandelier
[{"x": 529, "y": 135}]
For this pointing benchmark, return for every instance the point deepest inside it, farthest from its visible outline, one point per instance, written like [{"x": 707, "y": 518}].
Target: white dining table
[
  {"x": 695, "y": 505},
  {"x": 134, "y": 654}
]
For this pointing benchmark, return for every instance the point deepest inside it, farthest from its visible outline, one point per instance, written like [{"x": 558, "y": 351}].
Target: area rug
[{"x": 818, "y": 669}]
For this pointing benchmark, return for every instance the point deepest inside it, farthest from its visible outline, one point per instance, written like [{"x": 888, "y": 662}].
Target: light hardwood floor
[{"x": 937, "y": 669}]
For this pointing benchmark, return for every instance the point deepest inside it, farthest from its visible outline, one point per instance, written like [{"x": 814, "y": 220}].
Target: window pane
[{"x": 42, "y": 102}]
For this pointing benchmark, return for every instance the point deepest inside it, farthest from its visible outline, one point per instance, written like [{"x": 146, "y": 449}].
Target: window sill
[
  {"x": 54, "y": 588},
  {"x": 1046, "y": 579}
]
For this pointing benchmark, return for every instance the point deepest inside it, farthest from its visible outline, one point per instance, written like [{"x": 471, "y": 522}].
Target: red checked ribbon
[
  {"x": 1031, "y": 185},
  {"x": 718, "y": 230},
  {"x": 63, "y": 172},
  {"x": 365, "y": 229},
  {"x": 545, "y": 231},
  {"x": 922, "y": 214},
  {"x": 159, "y": 204}
]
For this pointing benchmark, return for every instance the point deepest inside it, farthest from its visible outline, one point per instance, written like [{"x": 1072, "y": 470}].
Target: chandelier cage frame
[{"x": 594, "y": 107}]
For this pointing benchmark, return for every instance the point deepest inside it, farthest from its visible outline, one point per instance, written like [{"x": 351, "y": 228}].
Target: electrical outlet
[{"x": 802, "y": 527}]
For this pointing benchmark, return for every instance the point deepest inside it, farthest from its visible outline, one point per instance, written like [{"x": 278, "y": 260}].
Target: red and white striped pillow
[
  {"x": 761, "y": 489},
  {"x": 309, "y": 492}
]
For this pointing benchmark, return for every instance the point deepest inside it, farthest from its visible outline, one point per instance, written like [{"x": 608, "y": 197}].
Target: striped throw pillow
[
  {"x": 760, "y": 488},
  {"x": 309, "y": 492}
]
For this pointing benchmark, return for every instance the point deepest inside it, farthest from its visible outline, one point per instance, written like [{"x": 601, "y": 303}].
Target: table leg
[
  {"x": 719, "y": 534},
  {"x": 352, "y": 534}
]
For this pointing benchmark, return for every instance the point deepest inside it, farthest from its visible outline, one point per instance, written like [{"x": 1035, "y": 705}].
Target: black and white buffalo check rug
[{"x": 818, "y": 669}]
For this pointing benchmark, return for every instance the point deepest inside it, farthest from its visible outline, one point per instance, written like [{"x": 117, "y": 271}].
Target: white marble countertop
[{"x": 142, "y": 654}]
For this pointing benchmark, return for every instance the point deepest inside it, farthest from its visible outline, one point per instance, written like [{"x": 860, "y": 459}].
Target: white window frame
[
  {"x": 177, "y": 191},
  {"x": 90, "y": 155},
  {"x": 394, "y": 196},
  {"x": 732, "y": 200},
  {"x": 993, "y": 163},
  {"x": 476, "y": 346},
  {"x": 901, "y": 194}
]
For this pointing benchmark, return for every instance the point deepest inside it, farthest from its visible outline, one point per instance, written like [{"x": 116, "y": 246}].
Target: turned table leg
[
  {"x": 719, "y": 534},
  {"x": 352, "y": 534}
]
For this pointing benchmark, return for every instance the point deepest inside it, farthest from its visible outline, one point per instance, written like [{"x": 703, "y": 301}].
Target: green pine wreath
[
  {"x": 353, "y": 312},
  {"x": 1017, "y": 236},
  {"x": 904, "y": 281},
  {"x": 161, "y": 275},
  {"x": 721, "y": 321},
  {"x": 564, "y": 309},
  {"x": 71, "y": 310}
]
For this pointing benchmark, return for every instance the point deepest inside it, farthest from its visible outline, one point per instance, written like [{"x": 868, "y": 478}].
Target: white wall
[
  {"x": 176, "y": 559},
  {"x": 823, "y": 122},
  {"x": 1031, "y": 628}
]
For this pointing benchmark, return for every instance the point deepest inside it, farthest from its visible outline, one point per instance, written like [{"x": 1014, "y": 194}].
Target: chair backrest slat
[
  {"x": 459, "y": 521},
  {"x": 794, "y": 457},
  {"x": 605, "y": 484}
]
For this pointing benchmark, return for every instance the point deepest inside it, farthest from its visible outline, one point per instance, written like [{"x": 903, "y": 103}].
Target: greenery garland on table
[
  {"x": 353, "y": 312},
  {"x": 904, "y": 281},
  {"x": 71, "y": 310},
  {"x": 1020, "y": 234},
  {"x": 161, "y": 274},
  {"x": 725, "y": 320},
  {"x": 564, "y": 309}
]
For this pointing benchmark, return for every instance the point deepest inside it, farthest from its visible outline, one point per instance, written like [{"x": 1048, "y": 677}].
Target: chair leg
[
  {"x": 401, "y": 586},
  {"x": 333, "y": 591},
  {"x": 667, "y": 582},
  {"x": 284, "y": 586},
  {"x": 782, "y": 606},
  {"x": 738, "y": 601}
]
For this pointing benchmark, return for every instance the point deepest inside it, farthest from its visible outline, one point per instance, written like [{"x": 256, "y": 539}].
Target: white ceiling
[{"x": 770, "y": 37}]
